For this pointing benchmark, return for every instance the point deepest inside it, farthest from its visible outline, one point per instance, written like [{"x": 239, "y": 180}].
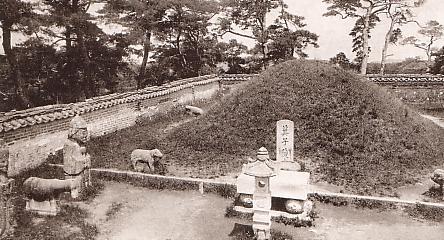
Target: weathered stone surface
[
  {"x": 438, "y": 177},
  {"x": 76, "y": 160},
  {"x": 287, "y": 184},
  {"x": 194, "y": 110},
  {"x": 285, "y": 140},
  {"x": 146, "y": 160},
  {"x": 41, "y": 193},
  {"x": 4, "y": 161},
  {"x": 294, "y": 206}
]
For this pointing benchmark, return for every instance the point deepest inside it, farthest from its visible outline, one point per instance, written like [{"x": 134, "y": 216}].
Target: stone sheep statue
[
  {"x": 193, "y": 110},
  {"x": 146, "y": 160}
]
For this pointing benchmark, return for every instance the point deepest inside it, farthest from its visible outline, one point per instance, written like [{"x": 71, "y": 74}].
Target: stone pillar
[
  {"x": 5, "y": 192},
  {"x": 261, "y": 170},
  {"x": 76, "y": 160}
]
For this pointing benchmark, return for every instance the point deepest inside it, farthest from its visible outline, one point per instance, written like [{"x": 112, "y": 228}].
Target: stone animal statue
[
  {"x": 41, "y": 193},
  {"x": 438, "y": 177},
  {"x": 193, "y": 110},
  {"x": 146, "y": 160}
]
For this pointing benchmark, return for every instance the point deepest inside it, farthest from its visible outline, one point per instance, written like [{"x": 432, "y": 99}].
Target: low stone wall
[
  {"x": 228, "y": 190},
  {"x": 35, "y": 133}
]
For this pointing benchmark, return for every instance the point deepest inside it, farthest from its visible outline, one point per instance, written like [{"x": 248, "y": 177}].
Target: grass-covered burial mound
[{"x": 354, "y": 132}]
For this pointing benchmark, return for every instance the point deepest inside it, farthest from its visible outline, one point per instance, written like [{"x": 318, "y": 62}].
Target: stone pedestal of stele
[{"x": 289, "y": 185}]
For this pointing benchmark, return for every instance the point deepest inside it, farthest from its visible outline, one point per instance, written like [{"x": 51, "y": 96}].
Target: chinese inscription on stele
[{"x": 284, "y": 140}]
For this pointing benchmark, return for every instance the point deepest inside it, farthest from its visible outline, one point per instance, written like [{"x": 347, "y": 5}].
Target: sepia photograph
[{"x": 221, "y": 119}]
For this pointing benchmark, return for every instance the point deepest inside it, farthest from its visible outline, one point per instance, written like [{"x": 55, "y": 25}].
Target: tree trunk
[
  {"x": 365, "y": 38},
  {"x": 179, "y": 51},
  {"x": 388, "y": 36},
  {"x": 14, "y": 73},
  {"x": 88, "y": 85},
  {"x": 74, "y": 91},
  {"x": 264, "y": 56},
  {"x": 146, "y": 51},
  {"x": 429, "y": 51},
  {"x": 68, "y": 38},
  {"x": 263, "y": 41}
]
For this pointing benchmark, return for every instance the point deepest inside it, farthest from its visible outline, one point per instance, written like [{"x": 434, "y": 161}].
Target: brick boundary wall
[
  {"x": 424, "y": 91},
  {"x": 33, "y": 134},
  {"x": 17, "y": 125}
]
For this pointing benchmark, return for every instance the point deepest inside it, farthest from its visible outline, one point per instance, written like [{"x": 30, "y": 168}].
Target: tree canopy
[
  {"x": 70, "y": 55},
  {"x": 281, "y": 40},
  {"x": 430, "y": 33}
]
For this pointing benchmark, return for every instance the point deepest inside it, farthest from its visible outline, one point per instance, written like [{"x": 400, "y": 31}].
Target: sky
[{"x": 334, "y": 32}]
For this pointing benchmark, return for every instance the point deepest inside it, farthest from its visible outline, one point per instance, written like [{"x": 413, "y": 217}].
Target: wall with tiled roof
[
  {"x": 34, "y": 133},
  {"x": 425, "y": 91},
  {"x": 407, "y": 79},
  {"x": 16, "y": 125},
  {"x": 422, "y": 90}
]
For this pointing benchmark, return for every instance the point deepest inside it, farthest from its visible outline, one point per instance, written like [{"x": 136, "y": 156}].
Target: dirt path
[{"x": 124, "y": 212}]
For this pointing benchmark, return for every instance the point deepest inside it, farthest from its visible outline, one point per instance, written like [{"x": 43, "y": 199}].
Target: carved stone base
[
  {"x": 303, "y": 219},
  {"x": 46, "y": 208}
]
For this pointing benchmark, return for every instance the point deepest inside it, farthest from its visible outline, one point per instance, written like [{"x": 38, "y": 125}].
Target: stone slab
[
  {"x": 284, "y": 140},
  {"x": 287, "y": 184}
]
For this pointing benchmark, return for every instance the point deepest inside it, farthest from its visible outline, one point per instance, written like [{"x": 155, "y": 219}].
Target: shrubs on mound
[{"x": 357, "y": 135}]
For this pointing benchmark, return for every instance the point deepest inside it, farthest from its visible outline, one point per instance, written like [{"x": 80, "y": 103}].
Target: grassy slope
[
  {"x": 354, "y": 132},
  {"x": 358, "y": 135}
]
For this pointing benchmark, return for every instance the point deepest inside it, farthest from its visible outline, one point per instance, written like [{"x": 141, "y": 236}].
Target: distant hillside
[{"x": 407, "y": 66}]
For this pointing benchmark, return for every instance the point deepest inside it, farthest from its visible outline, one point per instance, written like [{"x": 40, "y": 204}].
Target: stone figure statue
[
  {"x": 76, "y": 160},
  {"x": 6, "y": 209},
  {"x": 4, "y": 161}
]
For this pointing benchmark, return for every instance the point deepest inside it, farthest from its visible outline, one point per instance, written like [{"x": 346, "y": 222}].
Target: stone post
[
  {"x": 5, "y": 192},
  {"x": 261, "y": 170},
  {"x": 76, "y": 160}
]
